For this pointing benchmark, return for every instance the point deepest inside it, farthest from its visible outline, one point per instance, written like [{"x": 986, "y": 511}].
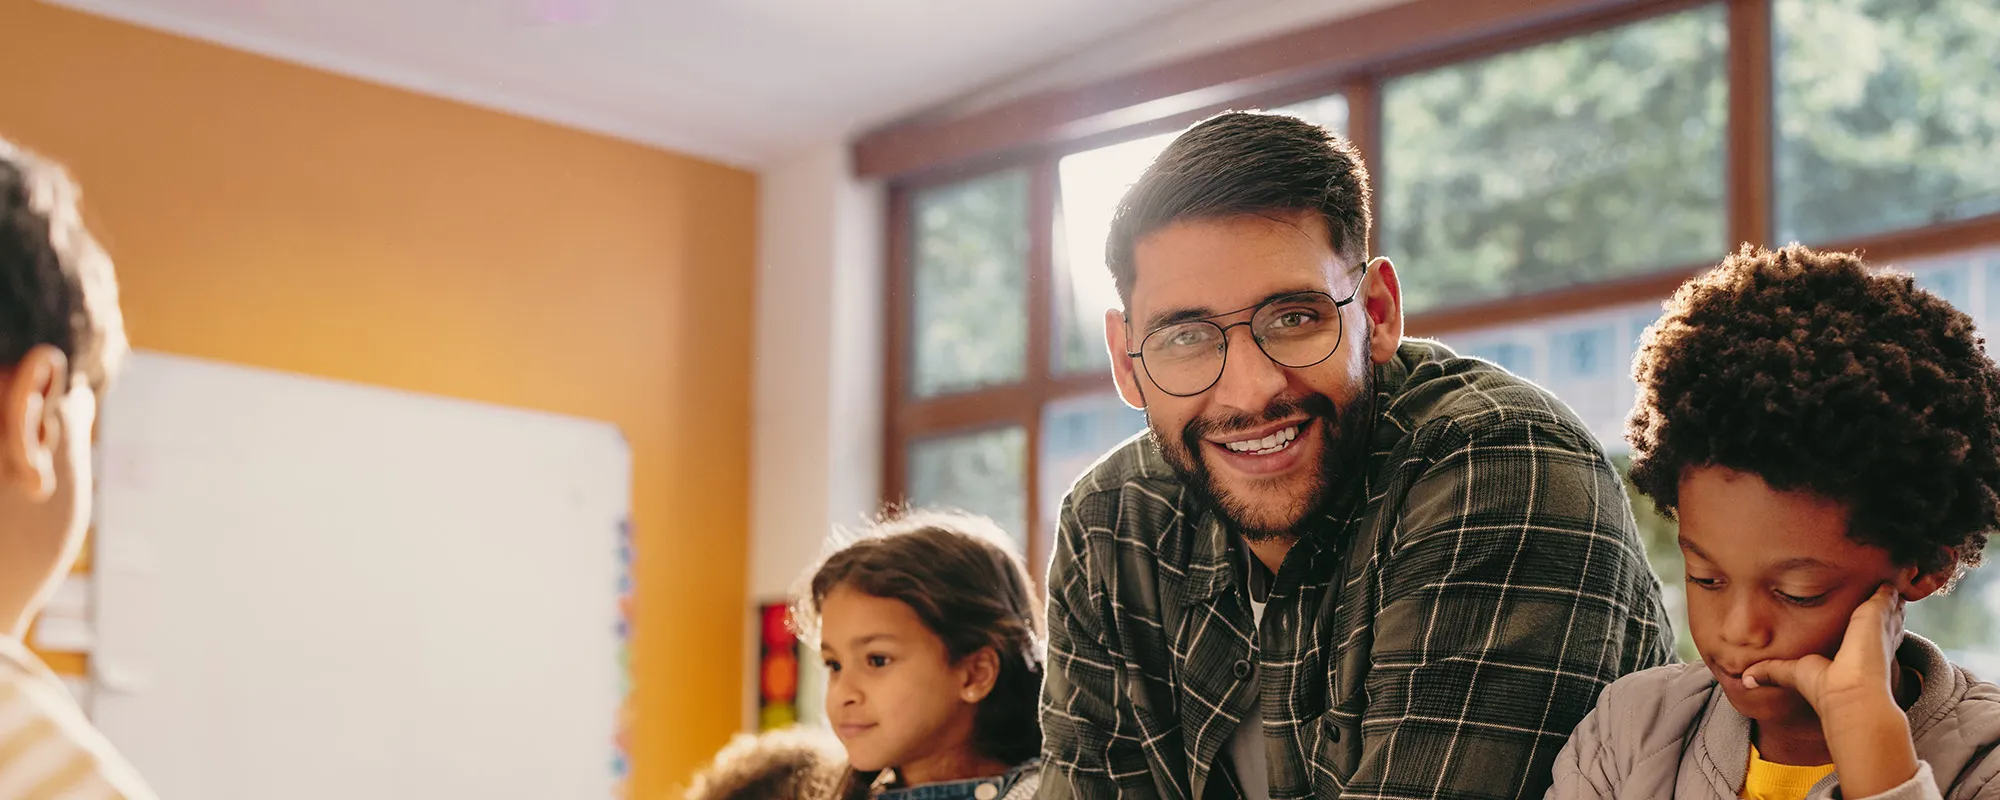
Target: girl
[{"x": 932, "y": 643}]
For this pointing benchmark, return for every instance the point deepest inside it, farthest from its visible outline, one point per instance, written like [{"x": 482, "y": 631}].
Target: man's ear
[
  {"x": 1124, "y": 368},
  {"x": 1382, "y": 300},
  {"x": 31, "y": 397}
]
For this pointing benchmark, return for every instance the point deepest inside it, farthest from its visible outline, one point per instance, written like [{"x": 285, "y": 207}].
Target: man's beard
[{"x": 1342, "y": 454}]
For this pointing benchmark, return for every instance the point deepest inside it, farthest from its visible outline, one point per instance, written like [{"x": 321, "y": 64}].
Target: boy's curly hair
[{"x": 1815, "y": 373}]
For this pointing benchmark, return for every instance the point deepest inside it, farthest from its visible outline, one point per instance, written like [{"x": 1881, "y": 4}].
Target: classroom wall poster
[
  {"x": 621, "y": 744},
  {"x": 777, "y": 669}
]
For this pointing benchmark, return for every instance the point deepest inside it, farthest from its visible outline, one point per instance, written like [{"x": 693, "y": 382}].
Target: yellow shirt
[
  {"x": 1768, "y": 781},
  {"x": 47, "y": 748}
]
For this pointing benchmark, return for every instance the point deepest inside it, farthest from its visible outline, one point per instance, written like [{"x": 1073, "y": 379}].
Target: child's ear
[
  {"x": 1919, "y": 585},
  {"x": 982, "y": 670},
  {"x": 31, "y": 397}
]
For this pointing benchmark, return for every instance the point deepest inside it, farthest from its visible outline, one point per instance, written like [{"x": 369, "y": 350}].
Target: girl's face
[
  {"x": 1773, "y": 575},
  {"x": 894, "y": 695}
]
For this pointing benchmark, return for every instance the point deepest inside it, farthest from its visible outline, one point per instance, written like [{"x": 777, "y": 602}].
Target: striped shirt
[
  {"x": 48, "y": 750},
  {"x": 1438, "y": 634}
]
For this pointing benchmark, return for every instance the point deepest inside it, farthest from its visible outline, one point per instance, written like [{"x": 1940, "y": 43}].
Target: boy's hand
[{"x": 1854, "y": 697}]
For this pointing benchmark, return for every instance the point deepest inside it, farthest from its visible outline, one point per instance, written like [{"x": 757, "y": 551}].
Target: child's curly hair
[
  {"x": 789, "y": 764},
  {"x": 1815, "y": 373}
]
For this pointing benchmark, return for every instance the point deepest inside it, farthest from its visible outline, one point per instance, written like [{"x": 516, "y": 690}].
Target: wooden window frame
[{"x": 1352, "y": 56}]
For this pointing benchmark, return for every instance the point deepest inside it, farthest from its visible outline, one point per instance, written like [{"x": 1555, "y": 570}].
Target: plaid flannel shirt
[{"x": 1439, "y": 636}]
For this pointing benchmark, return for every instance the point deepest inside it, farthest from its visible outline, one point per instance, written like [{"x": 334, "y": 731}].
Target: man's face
[{"x": 1266, "y": 444}]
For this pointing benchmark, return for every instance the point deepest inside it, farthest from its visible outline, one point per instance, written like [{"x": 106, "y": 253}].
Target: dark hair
[
  {"x": 1815, "y": 373},
  {"x": 1245, "y": 163},
  {"x": 966, "y": 587},
  {"x": 56, "y": 283}
]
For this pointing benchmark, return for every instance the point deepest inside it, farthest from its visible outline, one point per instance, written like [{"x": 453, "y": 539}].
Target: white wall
[{"x": 816, "y": 426}]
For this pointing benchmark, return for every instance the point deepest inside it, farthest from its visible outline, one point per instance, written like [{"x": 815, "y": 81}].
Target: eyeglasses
[{"x": 1296, "y": 331}]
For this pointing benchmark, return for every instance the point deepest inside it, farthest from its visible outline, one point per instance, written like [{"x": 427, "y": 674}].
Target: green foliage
[
  {"x": 1887, "y": 115},
  {"x": 983, "y": 473},
  {"x": 1585, "y": 159},
  {"x": 970, "y": 281}
]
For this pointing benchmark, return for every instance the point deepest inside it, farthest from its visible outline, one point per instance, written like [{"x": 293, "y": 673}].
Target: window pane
[
  {"x": 1092, "y": 183},
  {"x": 1075, "y": 433},
  {"x": 1590, "y": 158},
  {"x": 1887, "y": 115},
  {"x": 1329, "y": 112},
  {"x": 983, "y": 472},
  {"x": 971, "y": 326}
]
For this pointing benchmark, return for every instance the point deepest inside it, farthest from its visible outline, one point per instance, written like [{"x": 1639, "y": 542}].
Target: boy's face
[
  {"x": 45, "y": 478},
  {"x": 1771, "y": 575}
]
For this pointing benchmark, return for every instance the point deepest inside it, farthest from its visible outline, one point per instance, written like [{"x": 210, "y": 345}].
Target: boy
[
  {"x": 1829, "y": 439},
  {"x": 61, "y": 337}
]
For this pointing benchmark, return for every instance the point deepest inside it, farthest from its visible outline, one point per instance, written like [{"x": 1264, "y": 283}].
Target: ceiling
[{"x": 745, "y": 82}]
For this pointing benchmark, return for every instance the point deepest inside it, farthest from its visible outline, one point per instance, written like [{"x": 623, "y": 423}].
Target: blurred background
[{"x": 806, "y": 258}]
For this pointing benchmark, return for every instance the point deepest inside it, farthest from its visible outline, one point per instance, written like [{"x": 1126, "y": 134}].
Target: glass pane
[
  {"x": 1076, "y": 432},
  {"x": 1092, "y": 183},
  {"x": 1329, "y": 112},
  {"x": 1887, "y": 115},
  {"x": 1595, "y": 157},
  {"x": 983, "y": 472},
  {"x": 970, "y": 282}
]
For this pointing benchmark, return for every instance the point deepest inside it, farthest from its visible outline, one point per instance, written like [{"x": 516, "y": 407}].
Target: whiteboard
[{"x": 322, "y": 591}]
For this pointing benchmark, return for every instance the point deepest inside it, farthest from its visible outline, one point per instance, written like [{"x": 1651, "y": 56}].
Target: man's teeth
[{"x": 1271, "y": 443}]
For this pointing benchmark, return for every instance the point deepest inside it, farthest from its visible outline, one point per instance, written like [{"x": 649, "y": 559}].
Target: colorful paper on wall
[
  {"x": 621, "y": 746},
  {"x": 777, "y": 670}
]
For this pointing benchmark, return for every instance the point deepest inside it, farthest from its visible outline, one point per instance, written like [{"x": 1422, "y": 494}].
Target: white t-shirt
[{"x": 1246, "y": 745}]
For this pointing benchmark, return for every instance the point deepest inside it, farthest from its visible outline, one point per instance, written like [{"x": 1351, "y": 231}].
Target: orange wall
[{"x": 273, "y": 215}]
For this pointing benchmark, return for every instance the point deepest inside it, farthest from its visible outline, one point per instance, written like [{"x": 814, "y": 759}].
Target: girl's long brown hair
[{"x": 968, "y": 588}]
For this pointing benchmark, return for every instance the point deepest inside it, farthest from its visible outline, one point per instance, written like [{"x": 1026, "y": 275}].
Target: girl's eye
[
  {"x": 878, "y": 661},
  {"x": 1805, "y": 602},
  {"x": 832, "y": 665},
  {"x": 1706, "y": 583}
]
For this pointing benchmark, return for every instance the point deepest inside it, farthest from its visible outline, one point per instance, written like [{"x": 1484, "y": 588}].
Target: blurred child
[
  {"x": 932, "y": 639},
  {"x": 789, "y": 764},
  {"x": 61, "y": 338},
  {"x": 1829, "y": 439}
]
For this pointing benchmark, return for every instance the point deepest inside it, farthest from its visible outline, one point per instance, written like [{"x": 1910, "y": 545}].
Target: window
[
  {"x": 982, "y": 472},
  {"x": 1593, "y": 157},
  {"x": 1540, "y": 189},
  {"x": 970, "y": 284},
  {"x": 1887, "y": 115}
]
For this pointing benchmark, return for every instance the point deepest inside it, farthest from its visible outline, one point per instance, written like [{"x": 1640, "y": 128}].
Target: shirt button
[
  {"x": 1242, "y": 669},
  {"x": 986, "y": 791}
]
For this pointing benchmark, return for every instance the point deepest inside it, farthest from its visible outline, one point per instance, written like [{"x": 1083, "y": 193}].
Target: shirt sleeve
[
  {"x": 1090, "y": 746},
  {"x": 1509, "y": 584}
]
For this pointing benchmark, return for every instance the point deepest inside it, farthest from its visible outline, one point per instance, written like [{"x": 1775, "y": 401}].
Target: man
[{"x": 1341, "y": 564}]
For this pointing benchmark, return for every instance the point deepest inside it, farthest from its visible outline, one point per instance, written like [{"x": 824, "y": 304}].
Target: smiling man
[{"x": 1340, "y": 564}]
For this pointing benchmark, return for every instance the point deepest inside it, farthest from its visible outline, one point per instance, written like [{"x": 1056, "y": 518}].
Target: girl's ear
[{"x": 981, "y": 670}]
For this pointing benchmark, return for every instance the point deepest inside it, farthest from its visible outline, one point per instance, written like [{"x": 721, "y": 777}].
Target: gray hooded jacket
[{"x": 1671, "y": 732}]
